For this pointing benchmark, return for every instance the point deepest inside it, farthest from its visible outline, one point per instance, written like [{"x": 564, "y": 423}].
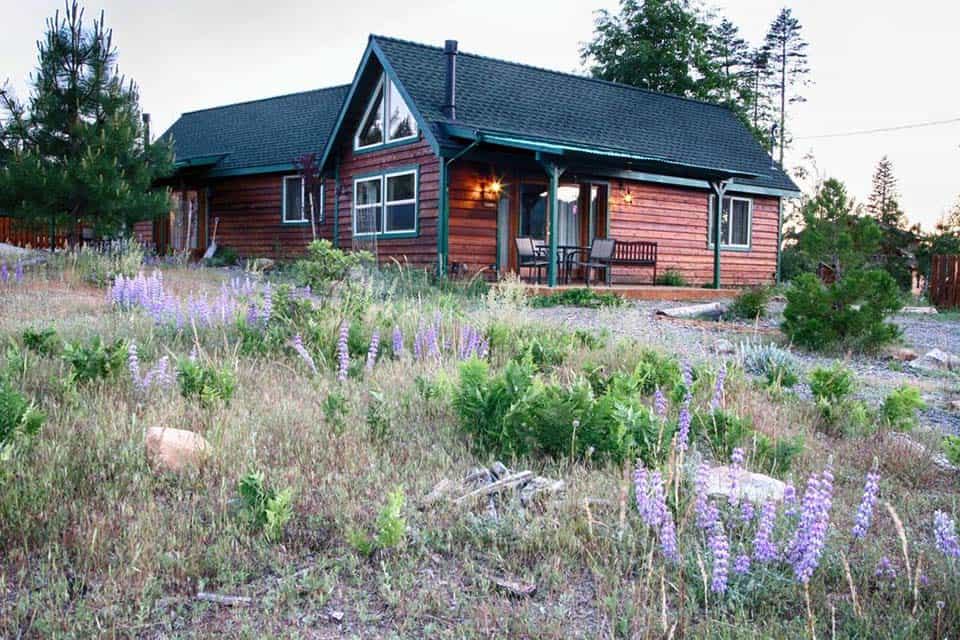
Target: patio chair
[
  {"x": 528, "y": 256},
  {"x": 600, "y": 256}
]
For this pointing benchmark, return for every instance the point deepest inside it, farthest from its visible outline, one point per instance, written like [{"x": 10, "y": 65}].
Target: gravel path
[{"x": 877, "y": 376}]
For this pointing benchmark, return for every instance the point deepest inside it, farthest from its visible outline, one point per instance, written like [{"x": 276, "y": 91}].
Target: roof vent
[{"x": 450, "y": 97}]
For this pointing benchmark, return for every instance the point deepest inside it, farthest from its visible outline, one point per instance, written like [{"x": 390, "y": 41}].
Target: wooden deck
[{"x": 645, "y": 291}]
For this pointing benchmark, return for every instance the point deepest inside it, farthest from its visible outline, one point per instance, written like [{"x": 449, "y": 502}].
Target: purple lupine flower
[
  {"x": 945, "y": 534},
  {"x": 660, "y": 403},
  {"x": 343, "y": 352},
  {"x": 133, "y": 363},
  {"x": 746, "y": 511},
  {"x": 642, "y": 494},
  {"x": 483, "y": 349},
  {"x": 885, "y": 569},
  {"x": 19, "y": 271},
  {"x": 720, "y": 549},
  {"x": 741, "y": 566},
  {"x": 432, "y": 341},
  {"x": 811, "y": 534},
  {"x": 252, "y": 314},
  {"x": 652, "y": 505},
  {"x": 687, "y": 374},
  {"x": 736, "y": 467},
  {"x": 397, "y": 341},
  {"x": 374, "y": 350},
  {"x": 3, "y": 272},
  {"x": 683, "y": 426},
  {"x": 717, "y": 401},
  {"x": 865, "y": 511},
  {"x": 764, "y": 549},
  {"x": 267, "y": 309},
  {"x": 702, "y": 505},
  {"x": 790, "y": 499},
  {"x": 418, "y": 345},
  {"x": 297, "y": 344}
]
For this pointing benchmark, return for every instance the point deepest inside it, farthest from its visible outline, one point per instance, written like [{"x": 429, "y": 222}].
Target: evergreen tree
[
  {"x": 787, "y": 68},
  {"x": 76, "y": 152},
  {"x": 884, "y": 199},
  {"x": 733, "y": 57}
]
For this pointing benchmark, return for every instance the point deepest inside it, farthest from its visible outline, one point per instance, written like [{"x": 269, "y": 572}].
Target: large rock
[
  {"x": 937, "y": 359},
  {"x": 754, "y": 487},
  {"x": 175, "y": 449},
  {"x": 903, "y": 354}
]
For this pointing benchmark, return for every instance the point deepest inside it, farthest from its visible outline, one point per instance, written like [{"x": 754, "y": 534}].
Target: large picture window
[
  {"x": 386, "y": 119},
  {"x": 735, "y": 222},
  {"x": 385, "y": 204}
]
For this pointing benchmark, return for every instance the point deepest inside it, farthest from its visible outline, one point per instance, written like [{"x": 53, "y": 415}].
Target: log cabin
[{"x": 442, "y": 159}]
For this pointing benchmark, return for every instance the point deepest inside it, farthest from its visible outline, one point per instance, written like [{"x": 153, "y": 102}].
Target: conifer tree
[
  {"x": 884, "y": 199},
  {"x": 787, "y": 70}
]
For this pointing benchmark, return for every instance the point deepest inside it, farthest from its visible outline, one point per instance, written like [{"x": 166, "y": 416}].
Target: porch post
[
  {"x": 554, "y": 172},
  {"x": 443, "y": 217},
  {"x": 719, "y": 189}
]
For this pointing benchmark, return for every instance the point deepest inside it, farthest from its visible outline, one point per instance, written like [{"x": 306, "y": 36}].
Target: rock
[
  {"x": 903, "y": 354},
  {"x": 513, "y": 587},
  {"x": 440, "y": 491},
  {"x": 499, "y": 470},
  {"x": 175, "y": 449},
  {"x": 937, "y": 359},
  {"x": 907, "y": 444},
  {"x": 954, "y": 406},
  {"x": 724, "y": 347},
  {"x": 335, "y": 616},
  {"x": 540, "y": 487},
  {"x": 754, "y": 487},
  {"x": 920, "y": 310}
]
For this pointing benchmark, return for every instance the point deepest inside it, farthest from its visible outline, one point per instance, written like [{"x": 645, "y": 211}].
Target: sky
[{"x": 874, "y": 64}]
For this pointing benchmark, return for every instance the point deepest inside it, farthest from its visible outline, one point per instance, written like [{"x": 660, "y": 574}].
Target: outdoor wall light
[{"x": 627, "y": 197}]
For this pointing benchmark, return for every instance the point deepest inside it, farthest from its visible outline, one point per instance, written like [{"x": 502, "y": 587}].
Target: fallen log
[
  {"x": 230, "y": 601},
  {"x": 709, "y": 309},
  {"x": 509, "y": 481}
]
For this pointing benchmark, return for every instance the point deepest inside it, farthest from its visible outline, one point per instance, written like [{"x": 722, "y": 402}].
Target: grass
[{"x": 94, "y": 543}]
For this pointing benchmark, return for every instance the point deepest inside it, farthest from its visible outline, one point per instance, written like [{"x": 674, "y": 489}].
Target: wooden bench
[{"x": 636, "y": 254}]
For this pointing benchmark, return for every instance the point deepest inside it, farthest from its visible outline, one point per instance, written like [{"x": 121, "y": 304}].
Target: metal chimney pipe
[{"x": 449, "y": 109}]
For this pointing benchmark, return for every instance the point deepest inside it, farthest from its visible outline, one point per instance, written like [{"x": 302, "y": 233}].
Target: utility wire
[{"x": 915, "y": 125}]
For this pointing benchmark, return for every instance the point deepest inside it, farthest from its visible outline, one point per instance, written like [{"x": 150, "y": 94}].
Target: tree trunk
[{"x": 783, "y": 99}]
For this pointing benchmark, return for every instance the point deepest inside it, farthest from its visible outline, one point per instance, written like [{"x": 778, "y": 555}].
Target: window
[
  {"x": 385, "y": 204},
  {"x": 734, "y": 222},
  {"x": 387, "y": 118},
  {"x": 293, "y": 209}
]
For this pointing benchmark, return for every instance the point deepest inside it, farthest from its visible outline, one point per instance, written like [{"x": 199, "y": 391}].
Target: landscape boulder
[
  {"x": 937, "y": 359},
  {"x": 175, "y": 449},
  {"x": 903, "y": 354},
  {"x": 755, "y": 487}
]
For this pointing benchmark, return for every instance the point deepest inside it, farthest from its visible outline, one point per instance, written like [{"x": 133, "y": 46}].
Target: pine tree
[
  {"x": 884, "y": 199},
  {"x": 788, "y": 68},
  {"x": 732, "y": 55},
  {"x": 76, "y": 153}
]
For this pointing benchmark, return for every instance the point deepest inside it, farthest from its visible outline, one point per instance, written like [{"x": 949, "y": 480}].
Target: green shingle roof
[
  {"x": 259, "y": 133},
  {"x": 506, "y": 97}
]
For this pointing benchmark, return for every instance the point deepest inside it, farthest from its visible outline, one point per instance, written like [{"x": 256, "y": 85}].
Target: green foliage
[
  {"x": 833, "y": 384},
  {"x": 75, "y": 150},
  {"x": 391, "y": 527},
  {"x": 207, "y": 383},
  {"x": 951, "y": 449},
  {"x": 45, "y": 341},
  {"x": 776, "y": 455},
  {"x": 672, "y": 278},
  {"x": 723, "y": 430},
  {"x": 96, "y": 360},
  {"x": 19, "y": 420},
  {"x": 264, "y": 508},
  {"x": 751, "y": 303},
  {"x": 840, "y": 414},
  {"x": 900, "y": 407},
  {"x": 848, "y": 313},
  {"x": 335, "y": 411},
  {"x": 224, "y": 257},
  {"x": 379, "y": 419},
  {"x": 777, "y": 365},
  {"x": 577, "y": 298},
  {"x": 101, "y": 265},
  {"x": 325, "y": 264}
]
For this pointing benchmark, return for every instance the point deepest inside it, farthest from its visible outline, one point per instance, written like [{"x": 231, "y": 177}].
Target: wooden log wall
[
  {"x": 473, "y": 218},
  {"x": 945, "y": 281}
]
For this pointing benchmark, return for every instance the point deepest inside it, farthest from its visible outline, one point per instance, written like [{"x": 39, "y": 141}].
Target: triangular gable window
[{"x": 401, "y": 125}]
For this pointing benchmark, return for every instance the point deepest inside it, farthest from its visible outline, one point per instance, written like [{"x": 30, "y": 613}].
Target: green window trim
[
  {"x": 726, "y": 246},
  {"x": 381, "y": 206},
  {"x": 304, "y": 218},
  {"x": 384, "y": 92}
]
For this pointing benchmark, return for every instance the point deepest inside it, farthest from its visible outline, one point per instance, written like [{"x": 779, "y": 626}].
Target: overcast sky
[{"x": 875, "y": 64}]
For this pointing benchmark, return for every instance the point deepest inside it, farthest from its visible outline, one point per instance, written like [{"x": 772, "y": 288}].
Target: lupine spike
[{"x": 343, "y": 352}]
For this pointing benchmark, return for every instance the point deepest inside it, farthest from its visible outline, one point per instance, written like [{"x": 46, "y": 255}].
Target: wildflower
[
  {"x": 702, "y": 506},
  {"x": 418, "y": 345},
  {"x": 885, "y": 569},
  {"x": 683, "y": 426},
  {"x": 19, "y": 271},
  {"x": 720, "y": 549},
  {"x": 687, "y": 375},
  {"x": 746, "y": 511},
  {"x": 432, "y": 341},
  {"x": 374, "y": 350},
  {"x": 741, "y": 565},
  {"x": 945, "y": 534},
  {"x": 343, "y": 352},
  {"x": 133, "y": 363},
  {"x": 652, "y": 505},
  {"x": 297, "y": 344},
  {"x": 736, "y": 466},
  {"x": 810, "y": 536},
  {"x": 865, "y": 511},
  {"x": 397, "y": 341},
  {"x": 267, "y": 309},
  {"x": 3, "y": 272},
  {"x": 660, "y": 403},
  {"x": 764, "y": 549},
  {"x": 717, "y": 401}
]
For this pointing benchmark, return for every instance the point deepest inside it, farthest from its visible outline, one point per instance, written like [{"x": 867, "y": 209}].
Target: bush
[
  {"x": 224, "y": 257},
  {"x": 19, "y": 419},
  {"x": 325, "y": 264},
  {"x": 672, "y": 278},
  {"x": 777, "y": 365},
  {"x": 900, "y": 407},
  {"x": 577, "y": 298},
  {"x": 951, "y": 449},
  {"x": 263, "y": 508},
  {"x": 840, "y": 414},
  {"x": 206, "y": 383},
  {"x": 751, "y": 303},
  {"x": 46, "y": 342},
  {"x": 96, "y": 360},
  {"x": 848, "y": 313},
  {"x": 776, "y": 455},
  {"x": 833, "y": 384}
]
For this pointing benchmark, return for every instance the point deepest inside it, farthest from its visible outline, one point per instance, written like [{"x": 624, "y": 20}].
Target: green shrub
[
  {"x": 848, "y": 313},
  {"x": 776, "y": 455},
  {"x": 778, "y": 366},
  {"x": 19, "y": 420},
  {"x": 264, "y": 508},
  {"x": 672, "y": 278},
  {"x": 577, "y": 298},
  {"x": 44, "y": 341},
  {"x": 751, "y": 303},
  {"x": 96, "y": 360},
  {"x": 833, "y": 384},
  {"x": 722, "y": 429},
  {"x": 325, "y": 264},
  {"x": 205, "y": 382},
  {"x": 224, "y": 257},
  {"x": 951, "y": 449},
  {"x": 391, "y": 527},
  {"x": 900, "y": 408}
]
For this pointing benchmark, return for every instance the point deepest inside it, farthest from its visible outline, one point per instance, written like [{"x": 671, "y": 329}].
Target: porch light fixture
[
  {"x": 627, "y": 198},
  {"x": 491, "y": 188}
]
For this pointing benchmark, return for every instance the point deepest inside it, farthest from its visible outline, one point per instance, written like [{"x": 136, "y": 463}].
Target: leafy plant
[
  {"x": 778, "y": 366},
  {"x": 722, "y": 429},
  {"x": 325, "y": 264},
  {"x": 205, "y": 382},
  {"x": 777, "y": 454},
  {"x": 96, "y": 360},
  {"x": 391, "y": 527},
  {"x": 672, "y": 278},
  {"x": 751, "y": 303},
  {"x": 577, "y": 298},
  {"x": 44, "y": 341},
  {"x": 19, "y": 419},
  {"x": 264, "y": 508},
  {"x": 900, "y": 407},
  {"x": 335, "y": 411},
  {"x": 833, "y": 384},
  {"x": 951, "y": 449}
]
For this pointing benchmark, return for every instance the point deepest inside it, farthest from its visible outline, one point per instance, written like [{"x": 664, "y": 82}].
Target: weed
[
  {"x": 672, "y": 278},
  {"x": 578, "y": 298},
  {"x": 900, "y": 407},
  {"x": 264, "y": 508},
  {"x": 95, "y": 360},
  {"x": 207, "y": 383},
  {"x": 751, "y": 303}
]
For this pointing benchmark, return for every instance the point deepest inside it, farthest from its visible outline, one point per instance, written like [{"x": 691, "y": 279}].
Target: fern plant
[
  {"x": 19, "y": 420},
  {"x": 264, "y": 508},
  {"x": 391, "y": 527},
  {"x": 96, "y": 360},
  {"x": 206, "y": 383}
]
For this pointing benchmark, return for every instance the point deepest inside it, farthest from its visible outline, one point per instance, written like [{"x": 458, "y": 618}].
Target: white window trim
[
  {"x": 382, "y": 205},
  {"x": 384, "y": 83},
  {"x": 303, "y": 204},
  {"x": 725, "y": 242}
]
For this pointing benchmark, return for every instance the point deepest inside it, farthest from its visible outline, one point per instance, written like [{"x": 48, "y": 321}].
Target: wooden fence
[
  {"x": 945, "y": 281},
  {"x": 23, "y": 235}
]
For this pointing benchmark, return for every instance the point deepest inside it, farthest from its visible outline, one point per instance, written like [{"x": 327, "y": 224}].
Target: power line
[{"x": 862, "y": 132}]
